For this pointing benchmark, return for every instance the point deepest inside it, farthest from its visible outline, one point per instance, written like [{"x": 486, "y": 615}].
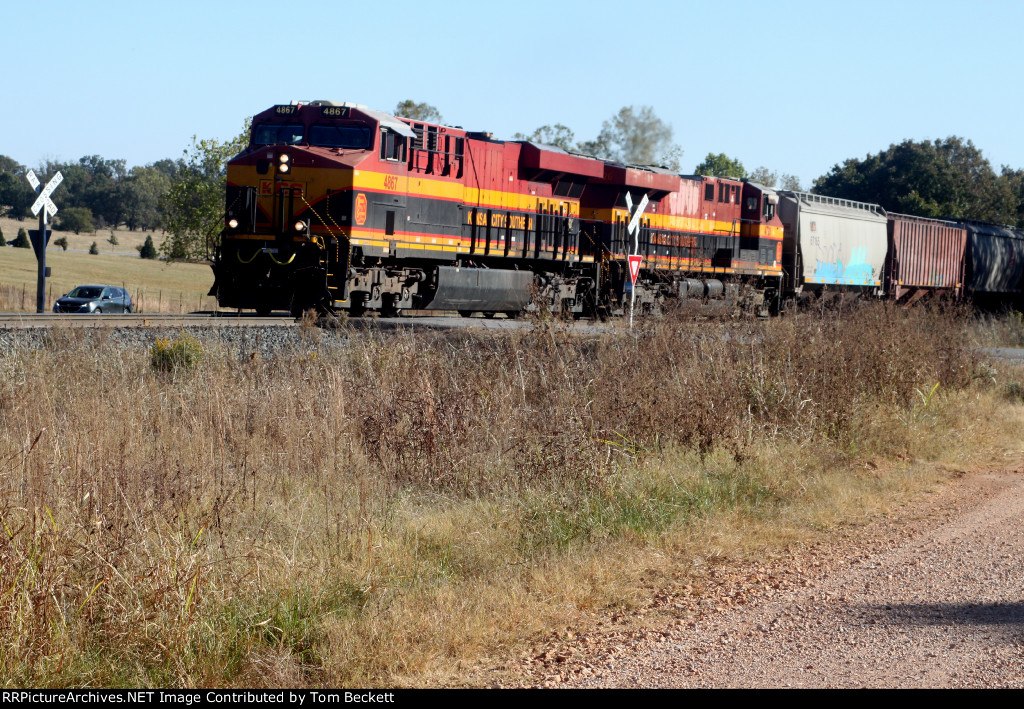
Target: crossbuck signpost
[
  {"x": 44, "y": 207},
  {"x": 635, "y": 259}
]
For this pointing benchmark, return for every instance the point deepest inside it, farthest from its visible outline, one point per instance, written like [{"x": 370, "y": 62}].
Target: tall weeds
[{"x": 334, "y": 514}]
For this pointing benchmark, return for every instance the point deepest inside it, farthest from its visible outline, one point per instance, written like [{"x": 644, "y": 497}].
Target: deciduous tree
[
  {"x": 635, "y": 136},
  {"x": 76, "y": 219},
  {"x": 557, "y": 135},
  {"x": 193, "y": 207},
  {"x": 141, "y": 193},
  {"x": 940, "y": 178},
  {"x": 721, "y": 165},
  {"x": 16, "y": 195},
  {"x": 764, "y": 176},
  {"x": 418, "y": 111}
]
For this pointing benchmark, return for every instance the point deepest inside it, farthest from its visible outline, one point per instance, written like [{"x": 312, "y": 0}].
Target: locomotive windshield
[
  {"x": 276, "y": 134},
  {"x": 354, "y": 136}
]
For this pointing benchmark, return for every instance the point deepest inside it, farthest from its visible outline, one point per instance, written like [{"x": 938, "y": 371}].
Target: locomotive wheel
[
  {"x": 511, "y": 314},
  {"x": 390, "y": 309},
  {"x": 489, "y": 314},
  {"x": 466, "y": 313},
  {"x": 263, "y": 310}
]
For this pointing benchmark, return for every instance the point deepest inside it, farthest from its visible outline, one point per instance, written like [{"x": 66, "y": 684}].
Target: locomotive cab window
[
  {"x": 709, "y": 192},
  {"x": 275, "y": 134},
  {"x": 353, "y": 136},
  {"x": 392, "y": 146}
]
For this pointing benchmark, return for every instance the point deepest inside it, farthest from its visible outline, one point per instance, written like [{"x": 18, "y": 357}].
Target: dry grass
[
  {"x": 156, "y": 286},
  {"x": 999, "y": 330},
  {"x": 390, "y": 511}
]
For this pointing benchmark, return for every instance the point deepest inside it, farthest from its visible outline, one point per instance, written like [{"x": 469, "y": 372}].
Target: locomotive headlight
[
  {"x": 233, "y": 223},
  {"x": 282, "y": 163},
  {"x": 300, "y": 225},
  {"x": 283, "y": 167}
]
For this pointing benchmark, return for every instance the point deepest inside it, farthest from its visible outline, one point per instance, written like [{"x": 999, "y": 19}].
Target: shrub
[
  {"x": 148, "y": 250},
  {"x": 22, "y": 241},
  {"x": 77, "y": 219},
  {"x": 61, "y": 242},
  {"x": 183, "y": 352},
  {"x": 94, "y": 249},
  {"x": 3, "y": 241},
  {"x": 113, "y": 239}
]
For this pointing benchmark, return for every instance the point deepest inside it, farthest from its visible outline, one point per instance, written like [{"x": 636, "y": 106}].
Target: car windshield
[
  {"x": 353, "y": 136},
  {"x": 275, "y": 134},
  {"x": 86, "y": 292}
]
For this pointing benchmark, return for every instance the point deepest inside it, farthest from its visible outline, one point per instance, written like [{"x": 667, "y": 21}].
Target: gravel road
[{"x": 930, "y": 597}]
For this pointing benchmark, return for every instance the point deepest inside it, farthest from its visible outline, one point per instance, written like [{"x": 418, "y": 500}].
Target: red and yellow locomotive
[{"x": 337, "y": 206}]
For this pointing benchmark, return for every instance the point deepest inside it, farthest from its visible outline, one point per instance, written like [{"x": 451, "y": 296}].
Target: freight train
[{"x": 336, "y": 206}]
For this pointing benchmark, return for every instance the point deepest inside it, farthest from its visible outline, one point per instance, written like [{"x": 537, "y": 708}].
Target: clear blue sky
[{"x": 794, "y": 86}]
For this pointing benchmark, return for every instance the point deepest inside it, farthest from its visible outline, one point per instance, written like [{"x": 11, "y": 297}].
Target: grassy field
[
  {"x": 403, "y": 508},
  {"x": 156, "y": 286}
]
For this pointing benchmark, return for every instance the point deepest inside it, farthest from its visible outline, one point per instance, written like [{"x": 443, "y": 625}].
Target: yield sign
[{"x": 634, "y": 266}]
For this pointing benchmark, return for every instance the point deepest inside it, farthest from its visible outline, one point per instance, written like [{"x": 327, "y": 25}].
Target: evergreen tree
[
  {"x": 94, "y": 249},
  {"x": 148, "y": 250},
  {"x": 22, "y": 241}
]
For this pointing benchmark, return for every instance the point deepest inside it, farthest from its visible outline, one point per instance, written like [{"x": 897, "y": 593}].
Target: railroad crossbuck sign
[
  {"x": 634, "y": 228},
  {"x": 43, "y": 200},
  {"x": 43, "y": 206},
  {"x": 635, "y": 258}
]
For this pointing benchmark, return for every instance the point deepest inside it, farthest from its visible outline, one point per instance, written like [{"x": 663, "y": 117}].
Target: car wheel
[
  {"x": 129, "y": 310},
  {"x": 98, "y": 311}
]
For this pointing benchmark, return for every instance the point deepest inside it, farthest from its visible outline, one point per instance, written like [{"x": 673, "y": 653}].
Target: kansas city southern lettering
[{"x": 502, "y": 221}]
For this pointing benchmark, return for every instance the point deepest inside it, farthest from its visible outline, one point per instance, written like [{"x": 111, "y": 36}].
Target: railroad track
[
  {"x": 26, "y": 321},
  {"x": 417, "y": 320}
]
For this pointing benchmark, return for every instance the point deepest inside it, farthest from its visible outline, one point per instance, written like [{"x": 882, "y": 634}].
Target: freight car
[
  {"x": 926, "y": 256},
  {"x": 337, "y": 206},
  {"x": 993, "y": 262},
  {"x": 841, "y": 244}
]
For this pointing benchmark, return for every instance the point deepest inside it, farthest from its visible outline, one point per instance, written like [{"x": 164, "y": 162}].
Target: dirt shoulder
[{"x": 932, "y": 595}]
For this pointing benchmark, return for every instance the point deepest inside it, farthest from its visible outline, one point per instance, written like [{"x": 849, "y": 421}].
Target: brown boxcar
[{"x": 925, "y": 256}]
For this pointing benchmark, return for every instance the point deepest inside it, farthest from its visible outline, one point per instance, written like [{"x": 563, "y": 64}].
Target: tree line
[{"x": 185, "y": 197}]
